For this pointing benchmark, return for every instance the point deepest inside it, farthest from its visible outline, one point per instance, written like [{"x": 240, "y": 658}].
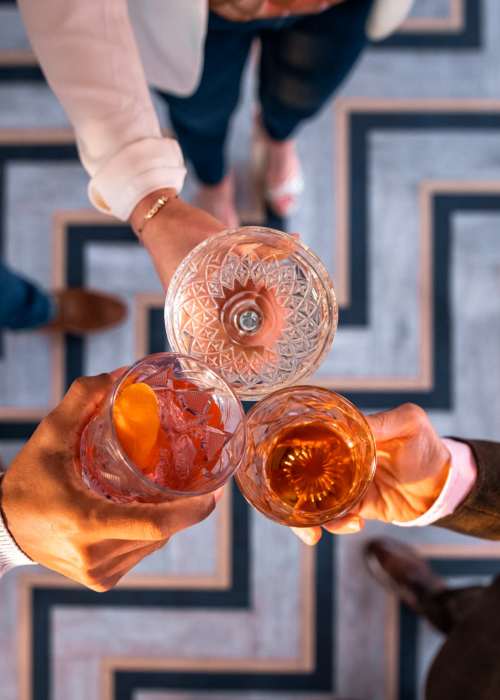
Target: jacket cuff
[
  {"x": 134, "y": 172},
  {"x": 477, "y": 515}
]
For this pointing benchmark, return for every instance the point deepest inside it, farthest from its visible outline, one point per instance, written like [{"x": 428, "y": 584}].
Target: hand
[
  {"x": 246, "y": 10},
  {"x": 61, "y": 524},
  {"x": 173, "y": 232},
  {"x": 412, "y": 466}
]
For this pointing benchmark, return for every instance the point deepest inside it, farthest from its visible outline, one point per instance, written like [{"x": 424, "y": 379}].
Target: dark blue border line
[
  {"x": 408, "y": 621},
  {"x": 357, "y": 313},
  {"x": 469, "y": 37},
  {"x": 18, "y": 430},
  {"x": 127, "y": 683},
  {"x": 44, "y": 600},
  {"x": 361, "y": 126},
  {"x": 157, "y": 339},
  {"x": 20, "y": 72}
]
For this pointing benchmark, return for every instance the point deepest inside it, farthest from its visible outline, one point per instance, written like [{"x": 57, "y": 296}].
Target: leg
[
  {"x": 446, "y": 609},
  {"x": 22, "y": 304},
  {"x": 201, "y": 121},
  {"x": 467, "y": 667},
  {"x": 302, "y": 65},
  {"x": 399, "y": 568}
]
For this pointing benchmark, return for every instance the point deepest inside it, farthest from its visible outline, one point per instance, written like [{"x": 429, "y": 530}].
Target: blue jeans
[
  {"x": 303, "y": 60},
  {"x": 22, "y": 303}
]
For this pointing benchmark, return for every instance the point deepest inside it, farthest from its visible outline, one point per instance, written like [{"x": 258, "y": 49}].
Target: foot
[
  {"x": 80, "y": 311},
  {"x": 282, "y": 174},
  {"x": 400, "y": 569},
  {"x": 219, "y": 201}
]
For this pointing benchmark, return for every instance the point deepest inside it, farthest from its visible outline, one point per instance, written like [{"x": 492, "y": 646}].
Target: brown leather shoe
[
  {"x": 82, "y": 311},
  {"x": 399, "y": 568}
]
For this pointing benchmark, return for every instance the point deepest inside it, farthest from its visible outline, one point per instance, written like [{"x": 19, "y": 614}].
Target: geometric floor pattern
[{"x": 403, "y": 205}]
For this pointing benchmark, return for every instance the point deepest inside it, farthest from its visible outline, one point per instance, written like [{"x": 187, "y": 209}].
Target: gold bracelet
[{"x": 159, "y": 204}]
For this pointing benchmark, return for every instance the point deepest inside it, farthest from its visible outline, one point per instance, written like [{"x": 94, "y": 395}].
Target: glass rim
[
  {"x": 311, "y": 259},
  {"x": 289, "y": 510},
  {"x": 126, "y": 459}
]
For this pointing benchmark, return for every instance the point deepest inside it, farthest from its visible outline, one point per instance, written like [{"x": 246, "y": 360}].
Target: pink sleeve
[{"x": 461, "y": 479}]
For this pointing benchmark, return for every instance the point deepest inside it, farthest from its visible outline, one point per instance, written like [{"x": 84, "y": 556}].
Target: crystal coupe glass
[
  {"x": 310, "y": 456},
  {"x": 254, "y": 304},
  {"x": 171, "y": 427}
]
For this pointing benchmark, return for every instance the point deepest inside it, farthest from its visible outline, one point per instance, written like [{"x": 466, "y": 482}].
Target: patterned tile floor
[{"x": 403, "y": 204}]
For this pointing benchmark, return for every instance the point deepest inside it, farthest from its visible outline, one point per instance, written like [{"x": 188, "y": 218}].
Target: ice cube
[
  {"x": 213, "y": 442},
  {"x": 184, "y": 455}
]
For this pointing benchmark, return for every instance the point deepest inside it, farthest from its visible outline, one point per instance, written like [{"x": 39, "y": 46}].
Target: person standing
[
  {"x": 24, "y": 305},
  {"x": 99, "y": 58}
]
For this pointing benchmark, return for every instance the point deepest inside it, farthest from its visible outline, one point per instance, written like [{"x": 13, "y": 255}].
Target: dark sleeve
[{"x": 479, "y": 513}]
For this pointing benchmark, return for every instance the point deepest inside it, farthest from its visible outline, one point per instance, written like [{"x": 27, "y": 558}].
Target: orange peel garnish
[{"x": 136, "y": 417}]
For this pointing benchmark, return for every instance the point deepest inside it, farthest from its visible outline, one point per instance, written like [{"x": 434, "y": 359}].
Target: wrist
[
  {"x": 137, "y": 218},
  {"x": 10, "y": 553},
  {"x": 453, "y": 485}
]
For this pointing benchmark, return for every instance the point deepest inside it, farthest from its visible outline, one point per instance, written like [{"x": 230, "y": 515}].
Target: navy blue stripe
[
  {"x": 128, "y": 683},
  {"x": 469, "y": 37}
]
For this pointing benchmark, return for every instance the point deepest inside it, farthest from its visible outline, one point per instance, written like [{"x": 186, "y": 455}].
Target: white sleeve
[
  {"x": 10, "y": 554},
  {"x": 89, "y": 55}
]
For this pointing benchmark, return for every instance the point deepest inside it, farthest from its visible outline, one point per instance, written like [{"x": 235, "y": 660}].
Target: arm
[
  {"x": 48, "y": 515},
  {"x": 10, "y": 554},
  {"x": 88, "y": 53},
  {"x": 422, "y": 479}
]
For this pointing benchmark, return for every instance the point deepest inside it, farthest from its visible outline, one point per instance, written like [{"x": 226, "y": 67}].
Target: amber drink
[{"x": 310, "y": 456}]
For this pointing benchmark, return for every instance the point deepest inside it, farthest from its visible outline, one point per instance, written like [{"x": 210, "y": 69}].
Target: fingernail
[
  {"x": 218, "y": 494},
  {"x": 353, "y": 526},
  {"x": 310, "y": 539},
  {"x": 305, "y": 536}
]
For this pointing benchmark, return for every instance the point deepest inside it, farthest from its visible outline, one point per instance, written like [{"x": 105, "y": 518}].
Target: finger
[
  {"x": 112, "y": 577},
  {"x": 308, "y": 535},
  {"x": 63, "y": 426},
  {"x": 122, "y": 563},
  {"x": 83, "y": 398},
  {"x": 345, "y": 526},
  {"x": 117, "y": 374},
  {"x": 151, "y": 522},
  {"x": 396, "y": 422},
  {"x": 219, "y": 494},
  {"x": 117, "y": 548}
]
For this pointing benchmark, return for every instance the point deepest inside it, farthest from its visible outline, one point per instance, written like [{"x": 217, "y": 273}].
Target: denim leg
[
  {"x": 303, "y": 65},
  {"x": 201, "y": 120},
  {"x": 22, "y": 304}
]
